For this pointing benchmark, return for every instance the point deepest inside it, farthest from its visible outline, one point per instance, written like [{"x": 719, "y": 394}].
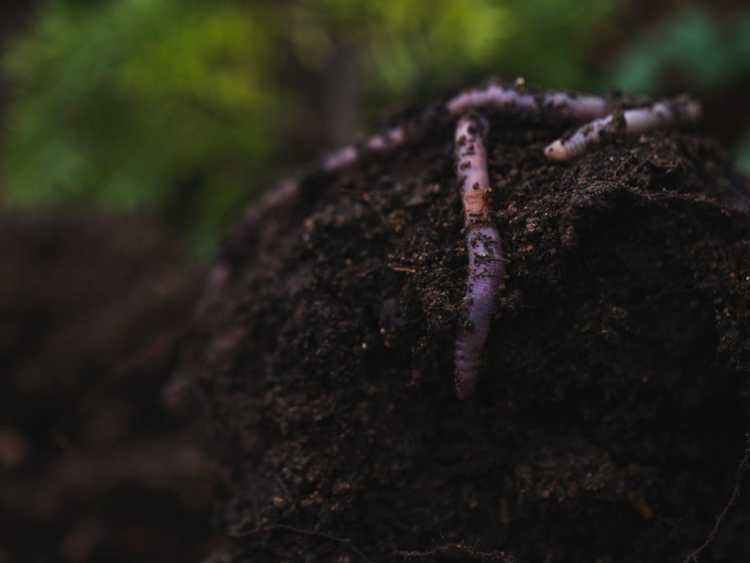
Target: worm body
[
  {"x": 340, "y": 158},
  {"x": 507, "y": 98},
  {"x": 386, "y": 141},
  {"x": 637, "y": 120},
  {"x": 380, "y": 142},
  {"x": 484, "y": 250},
  {"x": 482, "y": 285}
]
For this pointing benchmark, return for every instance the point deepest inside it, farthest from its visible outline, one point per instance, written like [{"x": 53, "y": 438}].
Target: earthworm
[
  {"x": 379, "y": 142},
  {"x": 637, "y": 120},
  {"x": 340, "y": 158},
  {"x": 507, "y": 98},
  {"x": 388, "y": 140},
  {"x": 483, "y": 247}
]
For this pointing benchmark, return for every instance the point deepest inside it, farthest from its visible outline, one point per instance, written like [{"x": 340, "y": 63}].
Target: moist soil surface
[{"x": 609, "y": 422}]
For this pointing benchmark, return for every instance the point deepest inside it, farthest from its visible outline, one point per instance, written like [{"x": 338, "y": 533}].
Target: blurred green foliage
[
  {"x": 182, "y": 108},
  {"x": 705, "y": 53},
  {"x": 710, "y": 53},
  {"x": 132, "y": 104}
]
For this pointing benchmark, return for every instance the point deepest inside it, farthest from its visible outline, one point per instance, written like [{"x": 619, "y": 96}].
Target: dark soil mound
[
  {"x": 611, "y": 414},
  {"x": 92, "y": 467}
]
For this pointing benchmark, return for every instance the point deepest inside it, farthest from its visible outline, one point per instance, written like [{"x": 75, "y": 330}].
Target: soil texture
[{"x": 610, "y": 420}]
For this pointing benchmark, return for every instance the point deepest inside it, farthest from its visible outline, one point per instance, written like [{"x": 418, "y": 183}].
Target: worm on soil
[
  {"x": 340, "y": 158},
  {"x": 637, "y": 120},
  {"x": 343, "y": 157},
  {"x": 483, "y": 247},
  {"x": 507, "y": 98}
]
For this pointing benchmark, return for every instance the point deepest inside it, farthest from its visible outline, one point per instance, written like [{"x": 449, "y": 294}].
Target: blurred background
[{"x": 185, "y": 110}]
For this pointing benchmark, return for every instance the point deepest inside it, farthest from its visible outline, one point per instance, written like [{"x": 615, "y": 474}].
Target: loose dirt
[{"x": 611, "y": 414}]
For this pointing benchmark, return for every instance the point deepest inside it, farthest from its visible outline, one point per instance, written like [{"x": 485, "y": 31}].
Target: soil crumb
[{"x": 611, "y": 413}]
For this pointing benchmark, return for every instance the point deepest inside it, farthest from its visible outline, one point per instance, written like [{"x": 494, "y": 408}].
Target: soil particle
[{"x": 613, "y": 401}]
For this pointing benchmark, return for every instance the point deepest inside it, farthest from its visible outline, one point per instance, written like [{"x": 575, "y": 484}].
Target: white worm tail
[{"x": 638, "y": 120}]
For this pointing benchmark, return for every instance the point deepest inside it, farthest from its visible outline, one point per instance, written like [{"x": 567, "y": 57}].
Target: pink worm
[
  {"x": 636, "y": 120},
  {"x": 508, "y": 98},
  {"x": 483, "y": 246}
]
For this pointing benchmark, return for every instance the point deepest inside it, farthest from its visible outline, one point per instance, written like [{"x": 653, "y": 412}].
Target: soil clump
[{"x": 611, "y": 414}]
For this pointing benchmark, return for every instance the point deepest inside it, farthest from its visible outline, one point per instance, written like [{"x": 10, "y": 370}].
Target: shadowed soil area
[
  {"x": 611, "y": 414},
  {"x": 92, "y": 466}
]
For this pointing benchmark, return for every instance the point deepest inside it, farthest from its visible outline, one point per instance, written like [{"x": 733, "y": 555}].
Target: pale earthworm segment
[
  {"x": 340, "y": 158},
  {"x": 637, "y": 120},
  {"x": 507, "y": 98},
  {"x": 349, "y": 154},
  {"x": 483, "y": 247}
]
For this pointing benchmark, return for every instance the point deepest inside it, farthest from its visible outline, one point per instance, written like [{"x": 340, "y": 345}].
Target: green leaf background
[{"x": 187, "y": 109}]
